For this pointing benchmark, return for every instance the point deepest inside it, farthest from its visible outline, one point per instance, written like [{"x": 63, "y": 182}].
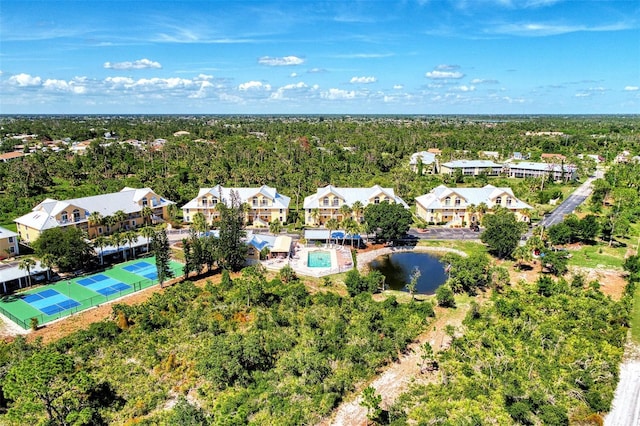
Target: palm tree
[
  {"x": 27, "y": 263},
  {"x": 130, "y": 237},
  {"x": 275, "y": 227},
  {"x": 351, "y": 227},
  {"x": 147, "y": 232},
  {"x": 109, "y": 221},
  {"x": 315, "y": 215},
  {"x": 119, "y": 217},
  {"x": 117, "y": 240},
  {"x": 101, "y": 242},
  {"x": 146, "y": 213},
  {"x": 471, "y": 209},
  {"x": 199, "y": 222},
  {"x": 521, "y": 254},
  {"x": 357, "y": 209},
  {"x": 47, "y": 261},
  {"x": 345, "y": 211},
  {"x": 331, "y": 224},
  {"x": 95, "y": 219}
]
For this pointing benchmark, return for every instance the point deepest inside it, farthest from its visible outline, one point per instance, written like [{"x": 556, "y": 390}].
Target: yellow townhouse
[
  {"x": 96, "y": 215},
  {"x": 265, "y": 204},
  {"x": 8, "y": 243},
  {"x": 457, "y": 207},
  {"x": 328, "y": 203}
]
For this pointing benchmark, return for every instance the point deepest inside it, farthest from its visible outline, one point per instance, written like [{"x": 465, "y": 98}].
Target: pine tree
[
  {"x": 232, "y": 250},
  {"x": 160, "y": 244}
]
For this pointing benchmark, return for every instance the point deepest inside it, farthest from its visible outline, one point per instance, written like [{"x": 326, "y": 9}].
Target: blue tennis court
[
  {"x": 103, "y": 284},
  {"x": 50, "y": 302},
  {"x": 144, "y": 269}
]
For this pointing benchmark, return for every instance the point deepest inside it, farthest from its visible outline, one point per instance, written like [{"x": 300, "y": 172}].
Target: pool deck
[{"x": 340, "y": 260}]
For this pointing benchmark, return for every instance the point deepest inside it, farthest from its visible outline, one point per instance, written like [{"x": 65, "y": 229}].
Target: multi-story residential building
[
  {"x": 459, "y": 207},
  {"x": 326, "y": 203},
  {"x": 8, "y": 243},
  {"x": 265, "y": 204},
  {"x": 96, "y": 215},
  {"x": 427, "y": 159},
  {"x": 552, "y": 171},
  {"x": 471, "y": 167}
]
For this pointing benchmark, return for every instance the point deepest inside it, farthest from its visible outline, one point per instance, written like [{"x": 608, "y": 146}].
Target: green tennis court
[{"x": 66, "y": 297}]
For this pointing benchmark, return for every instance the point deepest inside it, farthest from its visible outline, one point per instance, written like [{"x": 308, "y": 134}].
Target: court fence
[{"x": 84, "y": 304}]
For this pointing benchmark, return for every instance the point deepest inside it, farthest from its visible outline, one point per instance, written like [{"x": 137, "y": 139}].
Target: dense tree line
[{"x": 296, "y": 155}]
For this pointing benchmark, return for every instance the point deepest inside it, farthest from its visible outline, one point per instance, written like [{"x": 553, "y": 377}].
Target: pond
[{"x": 397, "y": 268}]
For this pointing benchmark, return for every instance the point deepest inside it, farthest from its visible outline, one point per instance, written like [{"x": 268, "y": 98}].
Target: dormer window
[
  {"x": 508, "y": 201},
  {"x": 335, "y": 202},
  {"x": 255, "y": 201},
  {"x": 76, "y": 215},
  {"x": 376, "y": 200},
  {"x": 457, "y": 202},
  {"x": 499, "y": 201},
  {"x": 325, "y": 201},
  {"x": 64, "y": 216},
  {"x": 144, "y": 202},
  {"x": 447, "y": 201}
]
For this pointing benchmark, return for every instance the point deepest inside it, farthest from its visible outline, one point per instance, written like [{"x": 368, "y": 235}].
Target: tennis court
[{"x": 66, "y": 297}]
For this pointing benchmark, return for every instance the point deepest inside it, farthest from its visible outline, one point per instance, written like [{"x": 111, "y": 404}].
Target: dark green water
[{"x": 397, "y": 268}]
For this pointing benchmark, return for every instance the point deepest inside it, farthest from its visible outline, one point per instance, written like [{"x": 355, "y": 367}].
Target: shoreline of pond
[{"x": 365, "y": 259}]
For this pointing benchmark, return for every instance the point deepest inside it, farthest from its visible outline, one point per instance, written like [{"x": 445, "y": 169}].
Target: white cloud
[
  {"x": 483, "y": 81},
  {"x": 135, "y": 65},
  {"x": 73, "y": 86},
  {"x": 254, "y": 85},
  {"x": 534, "y": 29},
  {"x": 279, "y": 62},
  {"x": 465, "y": 88},
  {"x": 631, "y": 88},
  {"x": 334, "y": 94},
  {"x": 293, "y": 75},
  {"x": 316, "y": 71},
  {"x": 281, "y": 93},
  {"x": 363, "y": 80},
  {"x": 25, "y": 80},
  {"x": 398, "y": 87},
  {"x": 444, "y": 75},
  {"x": 447, "y": 67}
]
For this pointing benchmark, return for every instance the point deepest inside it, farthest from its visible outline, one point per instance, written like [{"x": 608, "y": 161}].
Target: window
[
  {"x": 447, "y": 201},
  {"x": 255, "y": 201},
  {"x": 64, "y": 216},
  {"x": 336, "y": 202},
  {"x": 325, "y": 201},
  {"x": 457, "y": 202},
  {"x": 214, "y": 201},
  {"x": 154, "y": 201},
  {"x": 281, "y": 212},
  {"x": 76, "y": 215},
  {"x": 508, "y": 201},
  {"x": 144, "y": 202},
  {"x": 376, "y": 200},
  {"x": 100, "y": 230},
  {"x": 499, "y": 201},
  {"x": 10, "y": 239}
]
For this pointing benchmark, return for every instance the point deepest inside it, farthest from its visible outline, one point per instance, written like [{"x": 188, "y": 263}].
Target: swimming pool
[{"x": 319, "y": 259}]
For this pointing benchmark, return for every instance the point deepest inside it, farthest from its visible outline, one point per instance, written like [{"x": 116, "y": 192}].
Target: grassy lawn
[
  {"x": 598, "y": 256},
  {"x": 469, "y": 247}
]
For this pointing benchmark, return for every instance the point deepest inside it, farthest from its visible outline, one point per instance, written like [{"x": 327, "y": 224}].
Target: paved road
[{"x": 569, "y": 205}]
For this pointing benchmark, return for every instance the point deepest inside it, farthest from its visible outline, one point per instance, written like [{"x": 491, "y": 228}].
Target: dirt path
[{"x": 397, "y": 377}]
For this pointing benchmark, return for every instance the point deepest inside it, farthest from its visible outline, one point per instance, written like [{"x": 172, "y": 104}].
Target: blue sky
[{"x": 328, "y": 57}]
